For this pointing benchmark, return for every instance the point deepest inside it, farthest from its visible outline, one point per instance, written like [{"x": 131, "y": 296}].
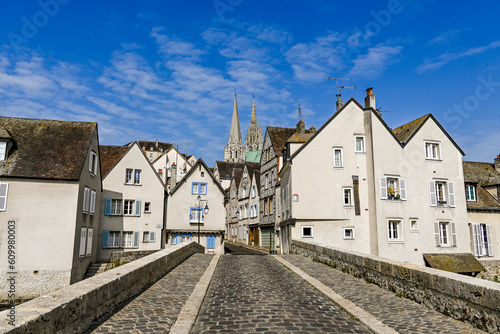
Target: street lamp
[{"x": 199, "y": 204}]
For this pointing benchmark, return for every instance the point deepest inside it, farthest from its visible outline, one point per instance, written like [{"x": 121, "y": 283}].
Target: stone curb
[
  {"x": 190, "y": 310},
  {"x": 366, "y": 318}
]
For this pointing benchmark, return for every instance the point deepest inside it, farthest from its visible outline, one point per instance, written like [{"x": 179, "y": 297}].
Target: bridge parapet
[
  {"x": 75, "y": 308},
  {"x": 465, "y": 298}
]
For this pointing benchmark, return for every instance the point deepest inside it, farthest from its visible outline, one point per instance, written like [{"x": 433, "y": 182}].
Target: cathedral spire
[
  {"x": 253, "y": 119},
  {"x": 235, "y": 132},
  {"x": 234, "y": 151}
]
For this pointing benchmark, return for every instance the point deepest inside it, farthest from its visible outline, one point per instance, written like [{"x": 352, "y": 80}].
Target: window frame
[
  {"x": 199, "y": 188},
  {"x": 348, "y": 228},
  {"x": 137, "y": 177},
  {"x": 147, "y": 207},
  {"x": 447, "y": 198},
  {"x": 363, "y": 144},
  {"x": 473, "y": 193},
  {"x": 93, "y": 195},
  {"x": 399, "y": 230},
  {"x": 415, "y": 228},
  {"x": 451, "y": 235},
  {"x": 195, "y": 219},
  {"x": 117, "y": 237},
  {"x": 482, "y": 247},
  {"x": 86, "y": 199},
  {"x": 93, "y": 162},
  {"x": 131, "y": 209},
  {"x": 311, "y": 235},
  {"x": 350, "y": 204},
  {"x": 3, "y": 197},
  {"x": 341, "y": 158},
  {"x": 429, "y": 144},
  {"x": 3, "y": 150}
]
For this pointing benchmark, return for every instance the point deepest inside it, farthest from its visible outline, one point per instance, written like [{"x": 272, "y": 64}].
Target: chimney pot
[
  {"x": 497, "y": 163},
  {"x": 370, "y": 99}
]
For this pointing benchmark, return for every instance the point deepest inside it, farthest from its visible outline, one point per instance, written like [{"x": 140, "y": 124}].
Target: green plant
[{"x": 495, "y": 278}]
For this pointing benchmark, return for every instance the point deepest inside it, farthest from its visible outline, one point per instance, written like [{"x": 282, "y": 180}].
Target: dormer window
[
  {"x": 3, "y": 150},
  {"x": 470, "y": 191}
]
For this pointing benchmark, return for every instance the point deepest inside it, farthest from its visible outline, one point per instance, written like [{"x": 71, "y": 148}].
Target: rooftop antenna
[
  {"x": 339, "y": 89},
  {"x": 300, "y": 113}
]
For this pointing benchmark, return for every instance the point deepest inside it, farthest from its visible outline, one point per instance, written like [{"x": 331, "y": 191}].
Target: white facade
[
  {"x": 163, "y": 165},
  {"x": 132, "y": 206},
  {"x": 371, "y": 193},
  {"x": 183, "y": 215}
]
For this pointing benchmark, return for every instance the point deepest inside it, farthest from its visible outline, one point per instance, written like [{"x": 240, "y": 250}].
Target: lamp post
[{"x": 199, "y": 204}]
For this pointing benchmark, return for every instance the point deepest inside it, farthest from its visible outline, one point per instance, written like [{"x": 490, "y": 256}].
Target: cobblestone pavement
[
  {"x": 257, "y": 294},
  {"x": 156, "y": 309},
  {"x": 234, "y": 249},
  {"x": 403, "y": 315}
]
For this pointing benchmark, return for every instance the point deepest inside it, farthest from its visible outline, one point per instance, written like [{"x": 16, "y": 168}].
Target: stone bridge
[{"x": 182, "y": 290}]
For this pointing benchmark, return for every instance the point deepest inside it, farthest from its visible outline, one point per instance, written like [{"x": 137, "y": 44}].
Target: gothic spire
[
  {"x": 234, "y": 132},
  {"x": 253, "y": 119}
]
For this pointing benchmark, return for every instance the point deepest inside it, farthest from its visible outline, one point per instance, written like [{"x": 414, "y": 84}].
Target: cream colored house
[
  {"x": 49, "y": 203},
  {"x": 133, "y": 202},
  {"x": 187, "y": 218},
  {"x": 172, "y": 164},
  {"x": 396, "y": 193}
]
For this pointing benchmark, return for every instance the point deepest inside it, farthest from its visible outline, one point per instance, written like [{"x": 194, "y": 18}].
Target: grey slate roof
[
  {"x": 225, "y": 168},
  {"x": 46, "y": 149},
  {"x": 481, "y": 174}
]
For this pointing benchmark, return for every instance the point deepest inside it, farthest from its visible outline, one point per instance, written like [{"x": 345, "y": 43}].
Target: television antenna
[
  {"x": 340, "y": 87},
  {"x": 300, "y": 113}
]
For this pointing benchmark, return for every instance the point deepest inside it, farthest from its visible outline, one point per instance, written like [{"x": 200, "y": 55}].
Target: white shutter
[
  {"x": 451, "y": 194},
  {"x": 4, "y": 187},
  {"x": 90, "y": 235},
  {"x": 432, "y": 192},
  {"x": 402, "y": 189},
  {"x": 383, "y": 188},
  {"x": 92, "y": 201},
  {"x": 83, "y": 237},
  {"x": 436, "y": 233},
  {"x": 86, "y": 196},
  {"x": 489, "y": 241},
  {"x": 475, "y": 239},
  {"x": 453, "y": 234}
]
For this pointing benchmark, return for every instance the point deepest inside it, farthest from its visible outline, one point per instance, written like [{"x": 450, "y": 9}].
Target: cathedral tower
[
  {"x": 254, "y": 133},
  {"x": 234, "y": 151}
]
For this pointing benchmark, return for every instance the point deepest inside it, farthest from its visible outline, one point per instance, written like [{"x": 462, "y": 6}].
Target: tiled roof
[
  {"x": 148, "y": 144},
  {"x": 46, "y": 149},
  {"x": 279, "y": 136},
  {"x": 404, "y": 132},
  {"x": 110, "y": 155},
  {"x": 482, "y": 174},
  {"x": 226, "y": 168}
]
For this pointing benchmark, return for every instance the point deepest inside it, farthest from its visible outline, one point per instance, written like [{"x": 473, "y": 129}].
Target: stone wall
[
  {"x": 465, "y": 298},
  {"x": 492, "y": 272},
  {"x": 119, "y": 258},
  {"x": 75, "y": 308}
]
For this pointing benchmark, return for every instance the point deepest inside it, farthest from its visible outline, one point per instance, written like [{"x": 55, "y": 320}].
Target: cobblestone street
[{"x": 256, "y": 294}]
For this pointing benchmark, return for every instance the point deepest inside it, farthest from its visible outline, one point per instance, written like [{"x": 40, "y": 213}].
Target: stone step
[{"x": 95, "y": 268}]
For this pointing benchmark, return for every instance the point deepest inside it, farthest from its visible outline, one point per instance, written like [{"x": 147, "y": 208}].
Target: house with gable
[
  {"x": 482, "y": 194},
  {"x": 247, "y": 204},
  {"x": 232, "y": 203},
  {"x": 172, "y": 164},
  {"x": 195, "y": 210},
  {"x": 49, "y": 202},
  {"x": 133, "y": 202},
  {"x": 395, "y": 193}
]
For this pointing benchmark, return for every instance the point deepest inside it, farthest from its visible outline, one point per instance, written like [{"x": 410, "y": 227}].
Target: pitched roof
[
  {"x": 254, "y": 169},
  {"x": 406, "y": 131},
  {"x": 191, "y": 171},
  {"x": 46, "y": 149},
  {"x": 225, "y": 168},
  {"x": 156, "y": 145},
  {"x": 253, "y": 156},
  {"x": 110, "y": 155},
  {"x": 279, "y": 136},
  {"x": 483, "y": 174}
]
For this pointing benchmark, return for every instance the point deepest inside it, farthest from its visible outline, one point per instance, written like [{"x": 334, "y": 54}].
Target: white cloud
[
  {"x": 373, "y": 63},
  {"x": 444, "y": 38}
]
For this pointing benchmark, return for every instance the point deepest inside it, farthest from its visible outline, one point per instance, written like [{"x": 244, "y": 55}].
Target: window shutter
[
  {"x": 489, "y": 241},
  {"x": 83, "y": 237},
  {"x": 86, "y": 196},
  {"x": 451, "y": 194},
  {"x": 383, "y": 188},
  {"x": 432, "y": 192},
  {"x": 152, "y": 236},
  {"x": 475, "y": 238},
  {"x": 138, "y": 206},
  {"x": 402, "y": 189},
  {"x": 4, "y": 187},
  {"x": 136, "y": 239},
  {"x": 107, "y": 207},
  {"x": 90, "y": 236},
  {"x": 105, "y": 239},
  {"x": 436, "y": 233},
  {"x": 453, "y": 234},
  {"x": 92, "y": 201}
]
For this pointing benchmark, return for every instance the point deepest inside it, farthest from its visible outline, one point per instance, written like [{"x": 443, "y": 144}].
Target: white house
[
  {"x": 50, "y": 190},
  {"x": 396, "y": 193},
  {"x": 133, "y": 202},
  {"x": 172, "y": 164},
  {"x": 195, "y": 210}
]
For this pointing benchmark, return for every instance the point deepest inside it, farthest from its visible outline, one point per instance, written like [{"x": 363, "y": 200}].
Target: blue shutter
[
  {"x": 152, "y": 236},
  {"x": 136, "y": 239},
  {"x": 210, "y": 242},
  {"x": 105, "y": 237},
  {"x": 107, "y": 207},
  {"x": 138, "y": 206}
]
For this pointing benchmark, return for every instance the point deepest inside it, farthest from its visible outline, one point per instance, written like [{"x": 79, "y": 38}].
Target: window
[
  {"x": 267, "y": 181},
  {"x": 4, "y": 187},
  {"x": 347, "y": 196},
  {"x": 199, "y": 188},
  {"x": 92, "y": 202},
  {"x": 110, "y": 239},
  {"x": 337, "y": 158},
  {"x": 186, "y": 237},
  {"x": 151, "y": 155},
  {"x": 254, "y": 191},
  {"x": 414, "y": 225},
  {"x": 470, "y": 192},
  {"x": 432, "y": 151},
  {"x": 128, "y": 207},
  {"x": 90, "y": 237},
  {"x": 395, "y": 230},
  {"x": 93, "y": 163},
  {"x": 210, "y": 242},
  {"x": 348, "y": 233},
  {"x": 173, "y": 239},
  {"x": 147, "y": 207},
  {"x": 86, "y": 199},
  {"x": 128, "y": 176},
  {"x": 116, "y": 207},
  {"x": 392, "y": 188},
  {"x": 483, "y": 244},
  {"x": 307, "y": 231},
  {"x": 359, "y": 144},
  {"x": 445, "y": 234},
  {"x": 3, "y": 150},
  {"x": 83, "y": 238},
  {"x": 130, "y": 239},
  {"x": 137, "y": 176},
  {"x": 442, "y": 193},
  {"x": 196, "y": 215},
  {"x": 243, "y": 192},
  {"x": 145, "y": 236}
]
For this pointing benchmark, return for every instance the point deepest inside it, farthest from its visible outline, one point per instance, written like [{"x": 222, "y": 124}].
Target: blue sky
[{"x": 168, "y": 70}]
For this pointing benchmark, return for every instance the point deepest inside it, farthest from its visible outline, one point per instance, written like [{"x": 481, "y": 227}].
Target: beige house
[
  {"x": 49, "y": 202},
  {"x": 187, "y": 218},
  {"x": 232, "y": 204},
  {"x": 133, "y": 202},
  {"x": 482, "y": 193},
  {"x": 247, "y": 204},
  {"x": 396, "y": 193}
]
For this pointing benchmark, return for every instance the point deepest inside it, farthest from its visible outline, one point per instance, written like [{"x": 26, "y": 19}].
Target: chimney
[
  {"x": 173, "y": 176},
  {"x": 370, "y": 99},
  {"x": 340, "y": 104},
  {"x": 301, "y": 127},
  {"x": 497, "y": 163}
]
